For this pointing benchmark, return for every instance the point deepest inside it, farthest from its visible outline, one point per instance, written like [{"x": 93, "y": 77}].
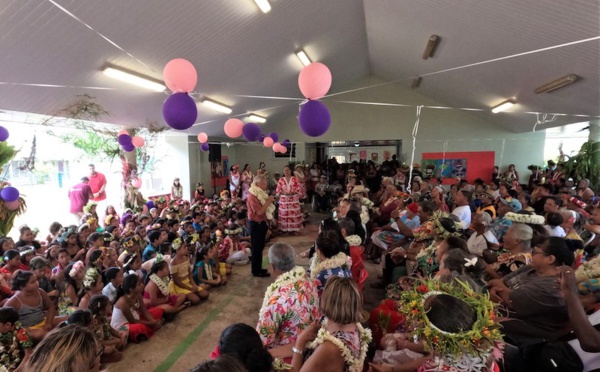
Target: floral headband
[
  {"x": 90, "y": 277},
  {"x": 177, "y": 243},
  {"x": 131, "y": 260},
  {"x": 532, "y": 219},
  {"x": 131, "y": 241},
  {"x": 78, "y": 267},
  {"x": 482, "y": 336},
  {"x": 234, "y": 231},
  {"x": 446, "y": 231},
  {"x": 158, "y": 258},
  {"x": 192, "y": 239}
]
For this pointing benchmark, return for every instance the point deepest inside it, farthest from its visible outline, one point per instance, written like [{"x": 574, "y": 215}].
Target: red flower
[
  {"x": 422, "y": 288},
  {"x": 22, "y": 335}
]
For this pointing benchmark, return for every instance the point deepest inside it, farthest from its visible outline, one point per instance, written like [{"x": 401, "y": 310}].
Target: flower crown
[
  {"x": 130, "y": 242},
  {"x": 234, "y": 231},
  {"x": 90, "y": 277},
  {"x": 77, "y": 268},
  {"x": 192, "y": 239},
  {"x": 177, "y": 243},
  {"x": 158, "y": 258},
  {"x": 482, "y": 336},
  {"x": 440, "y": 230},
  {"x": 532, "y": 219}
]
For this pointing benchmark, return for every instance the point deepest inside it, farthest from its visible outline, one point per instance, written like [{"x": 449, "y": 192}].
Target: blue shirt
[{"x": 148, "y": 252}]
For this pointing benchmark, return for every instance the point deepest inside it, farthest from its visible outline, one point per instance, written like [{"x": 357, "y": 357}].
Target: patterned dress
[
  {"x": 12, "y": 347},
  {"x": 290, "y": 308},
  {"x": 246, "y": 181},
  {"x": 290, "y": 213}
]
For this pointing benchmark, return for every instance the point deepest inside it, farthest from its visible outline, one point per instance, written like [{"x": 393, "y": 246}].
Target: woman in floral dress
[
  {"x": 339, "y": 343},
  {"x": 288, "y": 191},
  {"x": 246, "y": 181}
]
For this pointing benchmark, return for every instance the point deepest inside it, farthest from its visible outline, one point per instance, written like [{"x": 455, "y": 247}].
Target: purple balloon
[
  {"x": 128, "y": 148},
  {"x": 286, "y": 142},
  {"x": 180, "y": 111},
  {"x": 274, "y": 136},
  {"x": 251, "y": 132},
  {"x": 204, "y": 147},
  {"x": 124, "y": 140},
  {"x": 150, "y": 204},
  {"x": 3, "y": 134},
  {"x": 9, "y": 194},
  {"x": 261, "y": 137},
  {"x": 314, "y": 118}
]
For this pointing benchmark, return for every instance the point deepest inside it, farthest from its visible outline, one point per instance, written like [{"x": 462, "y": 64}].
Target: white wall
[
  {"x": 439, "y": 130},
  {"x": 453, "y": 130}
]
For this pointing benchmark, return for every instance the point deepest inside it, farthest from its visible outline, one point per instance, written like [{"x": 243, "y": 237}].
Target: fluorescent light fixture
[
  {"x": 216, "y": 105},
  {"x": 432, "y": 44},
  {"x": 134, "y": 79},
  {"x": 257, "y": 119},
  {"x": 504, "y": 105},
  {"x": 264, "y": 5},
  {"x": 558, "y": 83},
  {"x": 303, "y": 57},
  {"x": 416, "y": 82}
]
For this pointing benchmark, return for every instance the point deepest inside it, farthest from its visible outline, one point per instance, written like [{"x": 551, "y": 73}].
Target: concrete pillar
[
  {"x": 594, "y": 138},
  {"x": 179, "y": 163}
]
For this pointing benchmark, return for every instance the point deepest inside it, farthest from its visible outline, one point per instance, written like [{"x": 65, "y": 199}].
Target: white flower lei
[
  {"x": 262, "y": 197},
  {"x": 354, "y": 240},
  {"x": 533, "y": 219},
  {"x": 208, "y": 270},
  {"x": 330, "y": 263},
  {"x": 163, "y": 285},
  {"x": 354, "y": 364},
  {"x": 282, "y": 280}
]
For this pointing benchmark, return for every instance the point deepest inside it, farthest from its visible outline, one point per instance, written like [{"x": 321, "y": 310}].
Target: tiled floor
[{"x": 190, "y": 338}]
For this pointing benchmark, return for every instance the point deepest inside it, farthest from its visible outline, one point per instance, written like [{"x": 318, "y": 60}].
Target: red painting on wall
[{"x": 480, "y": 164}]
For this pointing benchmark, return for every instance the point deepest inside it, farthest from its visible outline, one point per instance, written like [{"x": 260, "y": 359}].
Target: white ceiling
[{"x": 238, "y": 50}]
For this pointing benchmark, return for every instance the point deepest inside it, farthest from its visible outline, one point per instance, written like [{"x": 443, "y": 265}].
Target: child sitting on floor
[
  {"x": 15, "y": 343},
  {"x": 232, "y": 251},
  {"x": 131, "y": 316},
  {"x": 111, "y": 339},
  {"x": 182, "y": 277},
  {"x": 203, "y": 271},
  {"x": 114, "y": 277}
]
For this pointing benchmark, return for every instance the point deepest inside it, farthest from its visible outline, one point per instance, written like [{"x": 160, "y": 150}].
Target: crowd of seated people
[{"x": 497, "y": 276}]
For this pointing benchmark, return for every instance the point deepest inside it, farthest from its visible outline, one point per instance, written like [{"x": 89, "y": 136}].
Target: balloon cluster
[
  {"x": 179, "y": 110},
  {"x": 203, "y": 139},
  {"x": 11, "y": 195},
  {"x": 128, "y": 143},
  {"x": 314, "y": 82}
]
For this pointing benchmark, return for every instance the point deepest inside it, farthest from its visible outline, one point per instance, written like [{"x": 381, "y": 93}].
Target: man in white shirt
[
  {"x": 482, "y": 238},
  {"x": 463, "y": 211}
]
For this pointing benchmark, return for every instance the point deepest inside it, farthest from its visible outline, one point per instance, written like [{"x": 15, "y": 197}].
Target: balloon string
[
  {"x": 414, "y": 146},
  {"x": 67, "y": 12}
]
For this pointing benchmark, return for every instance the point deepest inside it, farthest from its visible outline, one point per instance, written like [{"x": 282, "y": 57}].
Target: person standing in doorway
[
  {"x": 80, "y": 195},
  {"x": 260, "y": 210},
  {"x": 98, "y": 185}
]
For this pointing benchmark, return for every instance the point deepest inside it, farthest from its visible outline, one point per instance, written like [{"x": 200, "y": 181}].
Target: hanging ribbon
[{"x": 414, "y": 146}]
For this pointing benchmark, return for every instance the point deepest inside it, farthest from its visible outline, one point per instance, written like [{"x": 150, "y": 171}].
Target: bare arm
[{"x": 588, "y": 336}]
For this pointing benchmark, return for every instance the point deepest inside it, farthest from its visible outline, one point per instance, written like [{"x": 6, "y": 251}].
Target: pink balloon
[
  {"x": 268, "y": 142},
  {"x": 276, "y": 146},
  {"x": 138, "y": 141},
  {"x": 283, "y": 149},
  {"x": 136, "y": 182},
  {"x": 233, "y": 128},
  {"x": 180, "y": 76},
  {"x": 13, "y": 205},
  {"x": 122, "y": 132},
  {"x": 314, "y": 80},
  {"x": 202, "y": 137}
]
